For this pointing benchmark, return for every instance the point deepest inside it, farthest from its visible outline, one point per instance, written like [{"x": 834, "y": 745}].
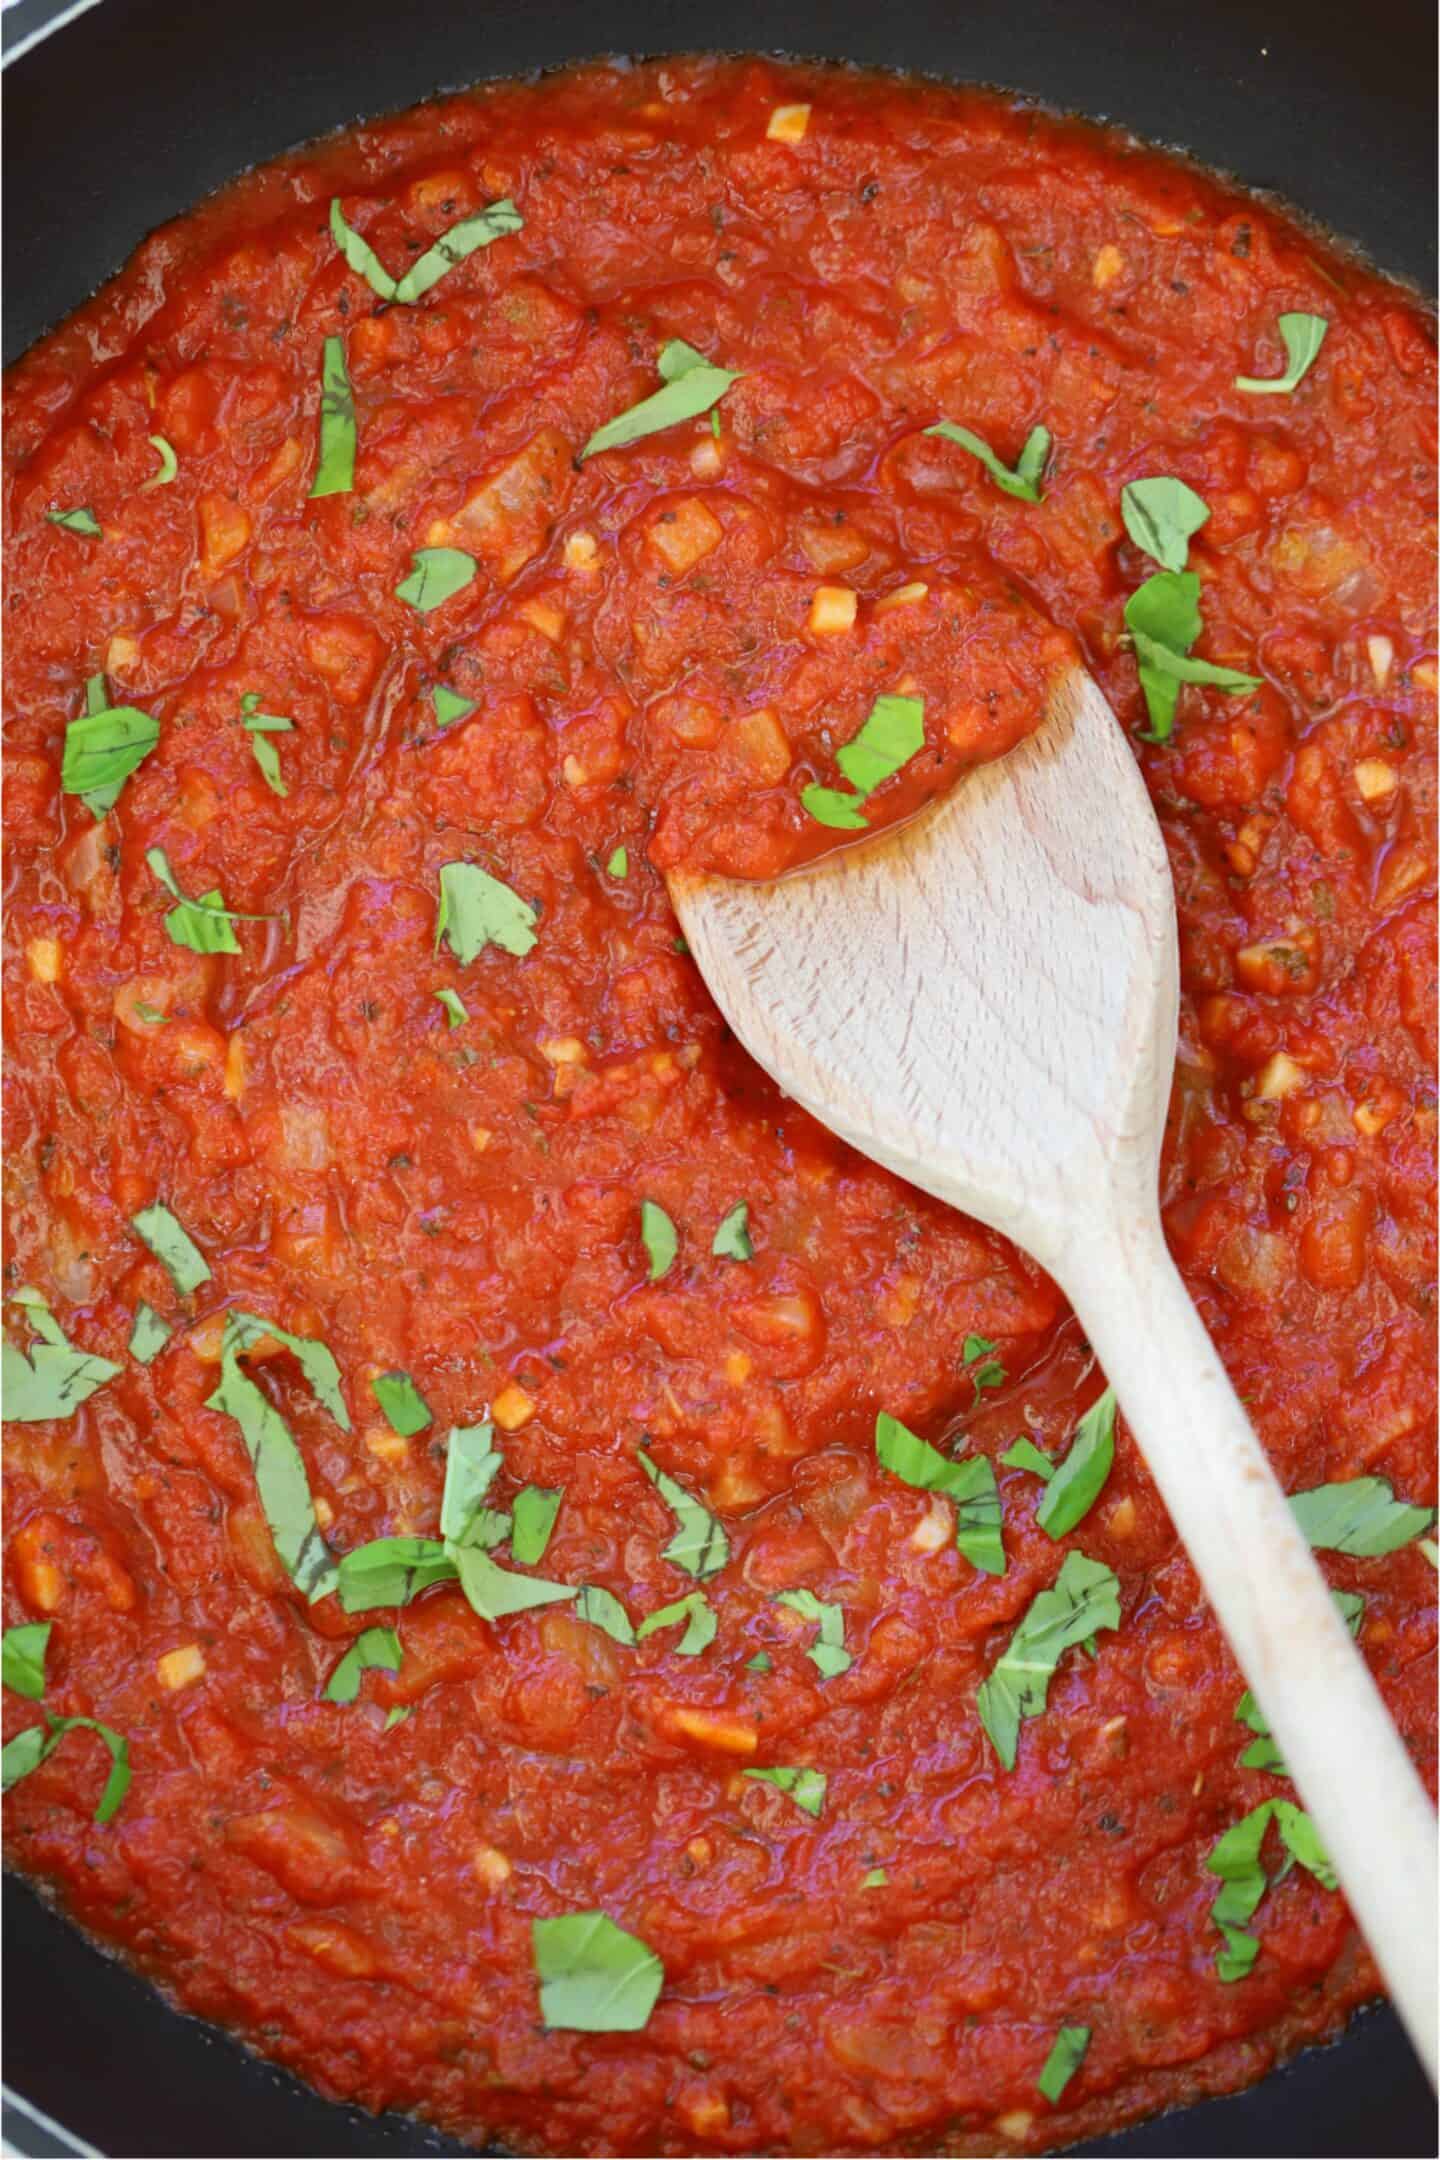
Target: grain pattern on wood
[{"x": 985, "y": 1001}]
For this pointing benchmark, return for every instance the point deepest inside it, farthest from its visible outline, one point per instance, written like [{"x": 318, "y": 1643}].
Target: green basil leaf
[
  {"x": 22, "y": 1658},
  {"x": 149, "y": 1335},
  {"x": 1084, "y": 1597},
  {"x": 82, "y": 520},
  {"x": 1236, "y": 1860},
  {"x": 396, "y": 1715},
  {"x": 259, "y": 726},
  {"x": 1361, "y": 1516},
  {"x": 829, "y": 806},
  {"x": 976, "y": 1346},
  {"x": 471, "y": 1463},
  {"x": 761, "y": 1662},
  {"x": 619, "y": 863},
  {"x": 536, "y": 1507},
  {"x": 281, "y": 1481},
  {"x": 475, "y": 231},
  {"x": 876, "y": 1879},
  {"x": 701, "y": 1625},
  {"x": 1302, "y": 336},
  {"x": 1080, "y": 1478},
  {"x": 103, "y": 748},
  {"x": 828, "y": 1653},
  {"x": 1024, "y": 482},
  {"x": 732, "y": 1239},
  {"x": 805, "y": 1787},
  {"x": 55, "y": 1378},
  {"x": 335, "y": 468},
  {"x": 970, "y": 1483},
  {"x": 604, "y": 1610},
  {"x": 593, "y": 1976},
  {"x": 1066, "y": 2054},
  {"x": 359, "y": 254},
  {"x": 401, "y": 1402},
  {"x": 201, "y": 925},
  {"x": 692, "y": 386},
  {"x": 316, "y": 1362},
  {"x": 476, "y": 910},
  {"x": 391, "y": 1571},
  {"x": 1160, "y": 660},
  {"x": 376, "y": 1649},
  {"x": 436, "y": 575},
  {"x": 449, "y": 705},
  {"x": 30, "y": 1748},
  {"x": 1263, "y": 1753},
  {"x": 150, "y": 1014},
  {"x": 892, "y": 734},
  {"x": 489, "y": 1527},
  {"x": 1022, "y": 1454},
  {"x": 169, "y": 464},
  {"x": 494, "y": 1592},
  {"x": 1430, "y": 1551},
  {"x": 1165, "y": 610},
  {"x": 1160, "y": 515},
  {"x": 1302, "y": 1841},
  {"x": 454, "y": 1004},
  {"x": 173, "y": 1247},
  {"x": 699, "y": 1545},
  {"x": 1162, "y": 696},
  {"x": 657, "y": 1235}
]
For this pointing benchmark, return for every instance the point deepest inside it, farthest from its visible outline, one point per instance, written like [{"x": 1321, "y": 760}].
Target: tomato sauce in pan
[{"x": 658, "y": 649}]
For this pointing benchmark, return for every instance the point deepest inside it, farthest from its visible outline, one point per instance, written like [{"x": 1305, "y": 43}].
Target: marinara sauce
[{"x": 649, "y": 677}]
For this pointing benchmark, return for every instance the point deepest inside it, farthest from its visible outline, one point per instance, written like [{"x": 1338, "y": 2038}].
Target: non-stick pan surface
[{"x": 128, "y": 114}]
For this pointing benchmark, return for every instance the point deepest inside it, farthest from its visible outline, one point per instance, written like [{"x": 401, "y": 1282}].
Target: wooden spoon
[{"x": 985, "y": 1001}]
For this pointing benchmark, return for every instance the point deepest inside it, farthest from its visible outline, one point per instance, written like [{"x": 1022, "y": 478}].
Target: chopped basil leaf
[
  {"x": 830, "y": 806},
  {"x": 604, "y": 1610},
  {"x": 55, "y": 1378},
  {"x": 201, "y": 925},
  {"x": 259, "y": 725},
  {"x": 828, "y": 1653},
  {"x": 593, "y": 1976},
  {"x": 151, "y": 1015},
  {"x": 701, "y": 1625},
  {"x": 377, "y": 1649},
  {"x": 494, "y": 1591},
  {"x": 1160, "y": 515},
  {"x": 359, "y": 254},
  {"x": 401, "y": 1401},
  {"x": 699, "y": 1545},
  {"x": 657, "y": 1235},
  {"x": 1022, "y": 1454},
  {"x": 761, "y": 1662},
  {"x": 454, "y": 1005},
  {"x": 692, "y": 386},
  {"x": 280, "y": 1478},
  {"x": 82, "y": 520},
  {"x": 535, "y": 1510},
  {"x": 449, "y": 705},
  {"x": 173, "y": 1246},
  {"x": 619, "y": 863},
  {"x": 875, "y": 1880},
  {"x": 396, "y": 1715},
  {"x": 1163, "y": 618},
  {"x": 475, "y": 231},
  {"x": 316, "y": 1362},
  {"x": 102, "y": 749},
  {"x": 476, "y": 910},
  {"x": 732, "y": 1239},
  {"x": 149, "y": 1335},
  {"x": 29, "y": 1749},
  {"x": 436, "y": 575},
  {"x": 1024, "y": 482},
  {"x": 805, "y": 1787},
  {"x": 1262, "y": 1753},
  {"x": 1431, "y": 1551},
  {"x": 489, "y": 1527},
  {"x": 169, "y": 464},
  {"x": 1085, "y": 1596},
  {"x": 970, "y": 1483},
  {"x": 471, "y": 1463},
  {"x": 1064, "y": 2059},
  {"x": 1180, "y": 667},
  {"x": 1080, "y": 1478},
  {"x": 335, "y": 469},
  {"x": 1302, "y": 336},
  {"x": 892, "y": 734},
  {"x": 1236, "y": 1860},
  {"x": 975, "y": 1346},
  {"x": 22, "y": 1658},
  {"x": 391, "y": 1571},
  {"x": 1361, "y": 1516}
]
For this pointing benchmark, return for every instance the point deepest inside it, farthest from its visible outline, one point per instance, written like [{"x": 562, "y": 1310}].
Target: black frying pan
[{"x": 129, "y": 113}]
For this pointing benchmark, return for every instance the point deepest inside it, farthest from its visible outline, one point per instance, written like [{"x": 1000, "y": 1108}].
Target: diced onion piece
[
  {"x": 491, "y": 1866},
  {"x": 1375, "y": 779},
  {"x": 903, "y": 596},
  {"x": 1382, "y": 659},
  {"x": 788, "y": 123},
  {"x": 1106, "y": 267},
  {"x": 180, "y": 1668},
  {"x": 1280, "y": 1075},
  {"x": 582, "y": 551},
  {"x": 42, "y": 956},
  {"x": 832, "y": 610}
]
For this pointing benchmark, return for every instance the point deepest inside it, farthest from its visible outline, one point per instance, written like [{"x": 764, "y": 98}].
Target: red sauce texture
[{"x": 464, "y": 1203}]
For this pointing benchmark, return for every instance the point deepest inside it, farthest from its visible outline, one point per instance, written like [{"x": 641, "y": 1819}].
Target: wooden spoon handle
[{"x": 1349, "y": 1764}]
